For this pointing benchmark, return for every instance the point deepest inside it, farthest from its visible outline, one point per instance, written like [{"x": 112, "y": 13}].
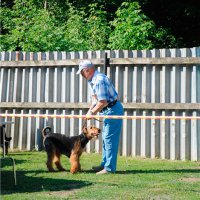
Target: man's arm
[
  {"x": 94, "y": 109},
  {"x": 99, "y": 106}
]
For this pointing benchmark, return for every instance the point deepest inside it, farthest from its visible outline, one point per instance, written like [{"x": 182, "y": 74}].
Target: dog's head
[
  {"x": 46, "y": 131},
  {"x": 91, "y": 132}
]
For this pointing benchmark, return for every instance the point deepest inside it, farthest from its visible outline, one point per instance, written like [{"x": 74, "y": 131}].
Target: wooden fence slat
[
  {"x": 134, "y": 138},
  {"x": 153, "y": 136},
  {"x": 117, "y": 61},
  {"x": 182, "y": 138},
  {"x": 1, "y": 83},
  {"x": 194, "y": 139},
  {"x": 143, "y": 135},
  {"x": 124, "y": 137},
  {"x": 60, "y": 105}
]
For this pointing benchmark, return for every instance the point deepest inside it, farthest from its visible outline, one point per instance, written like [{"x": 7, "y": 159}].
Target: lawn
[{"x": 136, "y": 178}]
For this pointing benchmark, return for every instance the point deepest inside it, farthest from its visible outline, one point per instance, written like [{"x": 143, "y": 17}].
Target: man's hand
[{"x": 95, "y": 109}]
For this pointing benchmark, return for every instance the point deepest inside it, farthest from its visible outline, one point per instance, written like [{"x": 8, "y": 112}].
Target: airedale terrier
[{"x": 57, "y": 144}]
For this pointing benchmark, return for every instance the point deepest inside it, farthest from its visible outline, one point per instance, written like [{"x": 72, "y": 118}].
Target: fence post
[{"x": 106, "y": 63}]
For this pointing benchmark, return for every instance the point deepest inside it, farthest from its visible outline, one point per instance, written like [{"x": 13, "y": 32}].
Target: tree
[
  {"x": 49, "y": 25},
  {"x": 87, "y": 31},
  {"x": 75, "y": 30},
  {"x": 134, "y": 30},
  {"x": 98, "y": 29},
  {"x": 31, "y": 29}
]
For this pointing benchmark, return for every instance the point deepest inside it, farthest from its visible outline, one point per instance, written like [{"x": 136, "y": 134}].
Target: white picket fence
[{"x": 159, "y": 82}]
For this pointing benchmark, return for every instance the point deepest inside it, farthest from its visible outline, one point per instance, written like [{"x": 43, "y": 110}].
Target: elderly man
[{"x": 105, "y": 101}]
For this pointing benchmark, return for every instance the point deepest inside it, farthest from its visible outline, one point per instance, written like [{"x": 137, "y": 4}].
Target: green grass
[{"x": 136, "y": 178}]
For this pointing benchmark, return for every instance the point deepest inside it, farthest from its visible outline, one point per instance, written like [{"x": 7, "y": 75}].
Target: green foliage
[
  {"x": 31, "y": 29},
  {"x": 44, "y": 34},
  {"x": 134, "y": 30},
  {"x": 98, "y": 28},
  {"x": 162, "y": 38},
  {"x": 87, "y": 32},
  {"x": 75, "y": 31},
  {"x": 34, "y": 25}
]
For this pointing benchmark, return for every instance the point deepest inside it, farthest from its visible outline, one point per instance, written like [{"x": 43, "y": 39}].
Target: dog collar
[{"x": 84, "y": 140}]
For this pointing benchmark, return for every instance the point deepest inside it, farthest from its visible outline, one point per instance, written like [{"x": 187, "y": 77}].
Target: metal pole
[
  {"x": 105, "y": 63},
  {"x": 3, "y": 132}
]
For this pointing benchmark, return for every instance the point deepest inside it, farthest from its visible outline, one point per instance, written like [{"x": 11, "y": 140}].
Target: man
[{"x": 105, "y": 101}]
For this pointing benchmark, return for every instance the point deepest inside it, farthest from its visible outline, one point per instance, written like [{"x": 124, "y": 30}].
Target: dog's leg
[
  {"x": 78, "y": 163},
  {"x": 75, "y": 157},
  {"x": 58, "y": 163},
  {"x": 50, "y": 157},
  {"x": 74, "y": 161}
]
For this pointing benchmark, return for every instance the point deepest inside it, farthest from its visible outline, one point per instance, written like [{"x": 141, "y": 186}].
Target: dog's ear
[{"x": 85, "y": 130}]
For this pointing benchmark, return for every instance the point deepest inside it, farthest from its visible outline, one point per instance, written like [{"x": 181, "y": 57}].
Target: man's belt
[{"x": 111, "y": 104}]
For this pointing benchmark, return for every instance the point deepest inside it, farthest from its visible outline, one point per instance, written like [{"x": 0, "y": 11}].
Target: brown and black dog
[{"x": 57, "y": 144}]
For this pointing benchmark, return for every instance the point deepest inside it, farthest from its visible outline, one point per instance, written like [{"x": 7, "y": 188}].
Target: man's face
[{"x": 86, "y": 73}]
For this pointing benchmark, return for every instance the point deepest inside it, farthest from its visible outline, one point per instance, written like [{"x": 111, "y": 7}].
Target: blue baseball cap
[{"x": 84, "y": 65}]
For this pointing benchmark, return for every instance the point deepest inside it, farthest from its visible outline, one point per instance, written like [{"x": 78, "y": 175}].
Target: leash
[
  {"x": 85, "y": 122},
  {"x": 98, "y": 120}
]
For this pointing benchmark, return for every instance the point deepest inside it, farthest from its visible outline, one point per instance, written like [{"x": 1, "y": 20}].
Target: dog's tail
[{"x": 46, "y": 131}]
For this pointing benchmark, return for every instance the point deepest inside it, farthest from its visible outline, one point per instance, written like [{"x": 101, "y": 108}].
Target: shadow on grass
[
  {"x": 150, "y": 171},
  {"x": 6, "y": 161},
  {"x": 33, "y": 183},
  {"x": 159, "y": 171}
]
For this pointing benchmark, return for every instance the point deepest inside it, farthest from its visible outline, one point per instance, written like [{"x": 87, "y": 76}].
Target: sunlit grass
[{"x": 136, "y": 178}]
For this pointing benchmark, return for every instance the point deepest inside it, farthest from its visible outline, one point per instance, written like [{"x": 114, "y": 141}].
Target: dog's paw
[
  {"x": 72, "y": 171},
  {"x": 62, "y": 170},
  {"x": 51, "y": 170}
]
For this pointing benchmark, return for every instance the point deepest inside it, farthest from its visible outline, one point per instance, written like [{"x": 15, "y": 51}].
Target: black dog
[
  {"x": 57, "y": 144},
  {"x": 6, "y": 141}
]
